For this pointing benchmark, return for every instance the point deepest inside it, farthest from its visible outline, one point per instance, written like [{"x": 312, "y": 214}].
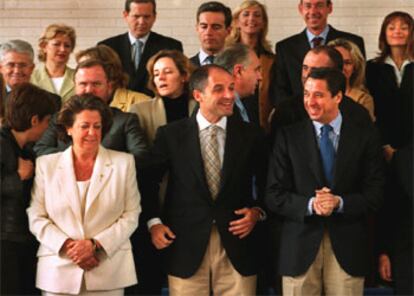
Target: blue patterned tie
[{"x": 327, "y": 151}]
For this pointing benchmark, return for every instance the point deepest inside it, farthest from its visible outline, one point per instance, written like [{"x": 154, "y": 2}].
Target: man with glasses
[{"x": 16, "y": 66}]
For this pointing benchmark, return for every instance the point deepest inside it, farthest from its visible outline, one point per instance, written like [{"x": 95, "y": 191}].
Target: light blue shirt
[
  {"x": 243, "y": 111},
  {"x": 323, "y": 35},
  {"x": 334, "y": 136}
]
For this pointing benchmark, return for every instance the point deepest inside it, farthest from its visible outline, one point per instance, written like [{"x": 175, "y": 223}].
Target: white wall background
[{"x": 95, "y": 20}]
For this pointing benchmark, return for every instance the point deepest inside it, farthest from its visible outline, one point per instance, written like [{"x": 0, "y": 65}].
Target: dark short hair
[
  {"x": 128, "y": 4},
  {"x": 328, "y": 2},
  {"x": 334, "y": 56},
  {"x": 334, "y": 78},
  {"x": 214, "y": 6},
  {"x": 77, "y": 104},
  {"x": 199, "y": 78},
  {"x": 25, "y": 101}
]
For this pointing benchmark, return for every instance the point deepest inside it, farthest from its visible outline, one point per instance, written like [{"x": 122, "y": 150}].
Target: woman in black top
[
  {"x": 28, "y": 112},
  {"x": 390, "y": 80}
]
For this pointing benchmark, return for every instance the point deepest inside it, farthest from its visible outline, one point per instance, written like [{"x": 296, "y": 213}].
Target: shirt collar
[
  {"x": 132, "y": 39},
  {"x": 324, "y": 35},
  {"x": 203, "y": 123},
  {"x": 202, "y": 56},
  {"x": 336, "y": 125}
]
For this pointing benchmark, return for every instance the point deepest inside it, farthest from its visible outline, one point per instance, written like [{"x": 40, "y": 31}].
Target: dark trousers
[
  {"x": 147, "y": 263},
  {"x": 18, "y": 268}
]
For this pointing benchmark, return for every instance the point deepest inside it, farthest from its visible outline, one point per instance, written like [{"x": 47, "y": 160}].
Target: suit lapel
[
  {"x": 307, "y": 143},
  {"x": 67, "y": 183},
  {"x": 192, "y": 150},
  {"x": 346, "y": 148},
  {"x": 101, "y": 172},
  {"x": 233, "y": 144},
  {"x": 126, "y": 55}
]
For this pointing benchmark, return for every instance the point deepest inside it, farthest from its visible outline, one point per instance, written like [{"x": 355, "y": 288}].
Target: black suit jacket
[
  {"x": 393, "y": 104},
  {"x": 290, "y": 53},
  {"x": 138, "y": 78},
  {"x": 124, "y": 135},
  {"x": 294, "y": 175},
  {"x": 195, "y": 60},
  {"x": 189, "y": 209}
]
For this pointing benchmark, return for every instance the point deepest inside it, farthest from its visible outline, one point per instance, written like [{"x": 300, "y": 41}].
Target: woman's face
[
  {"x": 167, "y": 78},
  {"x": 58, "y": 49},
  {"x": 397, "y": 32},
  {"x": 86, "y": 131},
  {"x": 348, "y": 62},
  {"x": 250, "y": 20}
]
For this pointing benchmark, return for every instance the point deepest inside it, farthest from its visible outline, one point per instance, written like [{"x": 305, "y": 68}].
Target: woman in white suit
[{"x": 85, "y": 206}]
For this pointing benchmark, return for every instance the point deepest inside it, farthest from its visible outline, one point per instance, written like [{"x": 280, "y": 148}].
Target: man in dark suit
[
  {"x": 291, "y": 51},
  {"x": 16, "y": 66},
  {"x": 206, "y": 225},
  {"x": 243, "y": 63},
  {"x": 326, "y": 175},
  {"x": 139, "y": 44},
  {"x": 213, "y": 26}
]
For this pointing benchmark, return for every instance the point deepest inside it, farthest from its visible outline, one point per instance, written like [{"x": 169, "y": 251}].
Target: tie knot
[
  {"x": 326, "y": 128},
  {"x": 210, "y": 59},
  {"x": 213, "y": 130},
  {"x": 317, "y": 41},
  {"x": 138, "y": 43}
]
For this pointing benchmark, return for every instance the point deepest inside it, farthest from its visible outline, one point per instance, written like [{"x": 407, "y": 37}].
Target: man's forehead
[
  {"x": 218, "y": 76},
  {"x": 211, "y": 17},
  {"x": 14, "y": 55}
]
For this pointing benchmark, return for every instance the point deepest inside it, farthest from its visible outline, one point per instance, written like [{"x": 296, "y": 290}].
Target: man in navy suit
[
  {"x": 206, "y": 225},
  {"x": 326, "y": 175},
  {"x": 291, "y": 51},
  {"x": 213, "y": 26},
  {"x": 139, "y": 44}
]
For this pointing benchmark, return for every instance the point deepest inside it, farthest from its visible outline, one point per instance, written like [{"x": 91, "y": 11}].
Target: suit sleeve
[
  {"x": 46, "y": 232},
  {"x": 114, "y": 236},
  {"x": 135, "y": 140},
  {"x": 280, "y": 196},
  {"x": 280, "y": 88},
  {"x": 48, "y": 143}
]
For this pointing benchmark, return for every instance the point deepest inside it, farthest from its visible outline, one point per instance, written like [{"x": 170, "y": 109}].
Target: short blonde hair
[
  {"x": 234, "y": 36},
  {"x": 357, "y": 79},
  {"x": 51, "y": 32},
  {"x": 183, "y": 64}
]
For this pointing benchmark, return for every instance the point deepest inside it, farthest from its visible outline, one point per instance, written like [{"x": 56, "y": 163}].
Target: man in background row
[
  {"x": 291, "y": 51},
  {"x": 213, "y": 26},
  {"x": 139, "y": 44}
]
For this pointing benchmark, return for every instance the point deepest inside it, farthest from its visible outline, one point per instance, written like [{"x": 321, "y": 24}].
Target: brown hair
[
  {"x": 25, "y": 101},
  {"x": 110, "y": 58},
  {"x": 384, "y": 47},
  {"x": 51, "y": 32},
  {"x": 183, "y": 64},
  {"x": 77, "y": 104},
  {"x": 128, "y": 4},
  {"x": 234, "y": 36}
]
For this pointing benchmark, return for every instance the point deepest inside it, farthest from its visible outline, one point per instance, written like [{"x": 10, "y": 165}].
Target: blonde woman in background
[
  {"x": 169, "y": 72},
  {"x": 354, "y": 71},
  {"x": 250, "y": 27},
  {"x": 123, "y": 98},
  {"x": 55, "y": 46}
]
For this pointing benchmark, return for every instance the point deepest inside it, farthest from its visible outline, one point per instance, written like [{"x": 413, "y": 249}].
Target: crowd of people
[{"x": 241, "y": 170}]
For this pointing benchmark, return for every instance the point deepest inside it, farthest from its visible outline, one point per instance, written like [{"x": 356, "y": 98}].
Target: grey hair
[
  {"x": 232, "y": 55},
  {"x": 19, "y": 46}
]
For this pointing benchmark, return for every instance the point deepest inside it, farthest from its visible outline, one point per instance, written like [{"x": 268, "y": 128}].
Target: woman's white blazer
[{"x": 111, "y": 216}]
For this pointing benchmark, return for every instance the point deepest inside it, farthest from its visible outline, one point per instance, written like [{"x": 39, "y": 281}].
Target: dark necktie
[
  {"x": 210, "y": 60},
  {"x": 327, "y": 151},
  {"x": 317, "y": 41}
]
